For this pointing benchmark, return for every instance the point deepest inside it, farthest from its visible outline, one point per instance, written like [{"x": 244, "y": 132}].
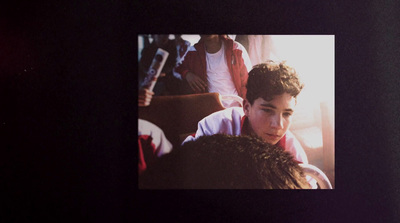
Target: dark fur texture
[{"x": 225, "y": 162}]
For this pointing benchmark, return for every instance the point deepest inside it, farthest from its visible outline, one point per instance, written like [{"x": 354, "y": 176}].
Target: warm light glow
[{"x": 313, "y": 58}]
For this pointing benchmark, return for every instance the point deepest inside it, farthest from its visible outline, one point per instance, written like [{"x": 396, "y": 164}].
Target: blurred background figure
[
  {"x": 182, "y": 47},
  {"x": 216, "y": 63},
  {"x": 167, "y": 84},
  {"x": 152, "y": 142},
  {"x": 259, "y": 47}
]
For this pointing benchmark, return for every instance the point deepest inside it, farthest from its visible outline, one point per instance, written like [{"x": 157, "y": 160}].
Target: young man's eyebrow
[
  {"x": 268, "y": 105},
  {"x": 272, "y": 106},
  {"x": 289, "y": 110}
]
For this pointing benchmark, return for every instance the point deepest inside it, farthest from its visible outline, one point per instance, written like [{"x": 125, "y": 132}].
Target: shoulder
[
  {"x": 227, "y": 113},
  {"x": 190, "y": 55},
  {"x": 227, "y": 118},
  {"x": 292, "y": 142},
  {"x": 289, "y": 135},
  {"x": 241, "y": 52},
  {"x": 238, "y": 46},
  {"x": 293, "y": 146},
  {"x": 192, "y": 49},
  {"x": 187, "y": 43},
  {"x": 224, "y": 116},
  {"x": 147, "y": 128}
]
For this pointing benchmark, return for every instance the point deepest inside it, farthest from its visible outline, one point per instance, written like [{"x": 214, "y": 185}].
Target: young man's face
[
  {"x": 270, "y": 119},
  {"x": 209, "y": 37}
]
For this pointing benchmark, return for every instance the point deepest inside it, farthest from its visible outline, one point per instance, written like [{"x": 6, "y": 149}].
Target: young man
[
  {"x": 225, "y": 162},
  {"x": 272, "y": 89},
  {"x": 216, "y": 64}
]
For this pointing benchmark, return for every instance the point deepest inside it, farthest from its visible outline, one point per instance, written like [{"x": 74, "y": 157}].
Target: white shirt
[{"x": 218, "y": 75}]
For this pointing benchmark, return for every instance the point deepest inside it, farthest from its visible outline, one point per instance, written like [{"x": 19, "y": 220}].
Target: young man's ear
[{"x": 246, "y": 107}]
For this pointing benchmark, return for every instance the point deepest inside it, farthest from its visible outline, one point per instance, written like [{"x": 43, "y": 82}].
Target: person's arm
[
  {"x": 184, "y": 66},
  {"x": 202, "y": 130},
  {"x": 209, "y": 125},
  {"x": 195, "y": 82},
  {"x": 246, "y": 59},
  {"x": 244, "y": 75},
  {"x": 244, "y": 70},
  {"x": 227, "y": 121}
]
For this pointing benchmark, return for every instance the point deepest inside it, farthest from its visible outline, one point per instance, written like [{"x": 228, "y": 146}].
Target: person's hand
[
  {"x": 195, "y": 82},
  {"x": 145, "y": 96}
]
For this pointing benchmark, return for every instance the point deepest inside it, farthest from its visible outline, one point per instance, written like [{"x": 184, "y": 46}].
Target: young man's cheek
[{"x": 288, "y": 123}]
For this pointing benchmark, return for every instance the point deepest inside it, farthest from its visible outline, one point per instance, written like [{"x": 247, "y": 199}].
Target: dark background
[{"x": 68, "y": 111}]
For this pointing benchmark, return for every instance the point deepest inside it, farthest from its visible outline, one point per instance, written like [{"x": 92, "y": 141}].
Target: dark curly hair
[
  {"x": 269, "y": 79},
  {"x": 225, "y": 162}
]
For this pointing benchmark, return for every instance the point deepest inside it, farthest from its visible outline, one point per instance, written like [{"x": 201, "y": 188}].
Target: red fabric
[
  {"x": 282, "y": 142},
  {"x": 146, "y": 152},
  {"x": 195, "y": 61},
  {"x": 242, "y": 130}
]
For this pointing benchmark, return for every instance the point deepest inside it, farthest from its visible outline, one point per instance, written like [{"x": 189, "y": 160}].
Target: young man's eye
[{"x": 287, "y": 114}]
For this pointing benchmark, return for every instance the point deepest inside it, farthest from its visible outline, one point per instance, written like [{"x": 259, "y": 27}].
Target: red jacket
[{"x": 195, "y": 62}]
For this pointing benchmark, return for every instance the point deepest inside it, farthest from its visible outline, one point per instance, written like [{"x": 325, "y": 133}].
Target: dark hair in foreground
[
  {"x": 225, "y": 162},
  {"x": 269, "y": 79}
]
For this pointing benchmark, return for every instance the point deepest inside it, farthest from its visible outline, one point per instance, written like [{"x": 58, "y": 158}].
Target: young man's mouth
[{"x": 273, "y": 136}]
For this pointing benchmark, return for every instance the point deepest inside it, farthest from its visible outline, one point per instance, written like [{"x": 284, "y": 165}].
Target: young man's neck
[{"x": 247, "y": 130}]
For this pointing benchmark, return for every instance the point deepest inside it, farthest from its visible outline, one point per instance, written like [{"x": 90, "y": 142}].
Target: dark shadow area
[
  {"x": 68, "y": 118},
  {"x": 68, "y": 112}
]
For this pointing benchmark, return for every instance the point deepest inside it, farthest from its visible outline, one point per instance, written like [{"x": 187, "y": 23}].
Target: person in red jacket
[{"x": 216, "y": 64}]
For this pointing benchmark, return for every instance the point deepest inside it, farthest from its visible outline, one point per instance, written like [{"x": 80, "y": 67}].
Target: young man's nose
[{"x": 277, "y": 121}]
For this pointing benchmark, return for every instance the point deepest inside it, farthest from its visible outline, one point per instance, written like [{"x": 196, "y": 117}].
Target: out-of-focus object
[
  {"x": 231, "y": 100},
  {"x": 318, "y": 175},
  {"x": 328, "y": 138},
  {"x": 155, "y": 69},
  {"x": 313, "y": 126}
]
